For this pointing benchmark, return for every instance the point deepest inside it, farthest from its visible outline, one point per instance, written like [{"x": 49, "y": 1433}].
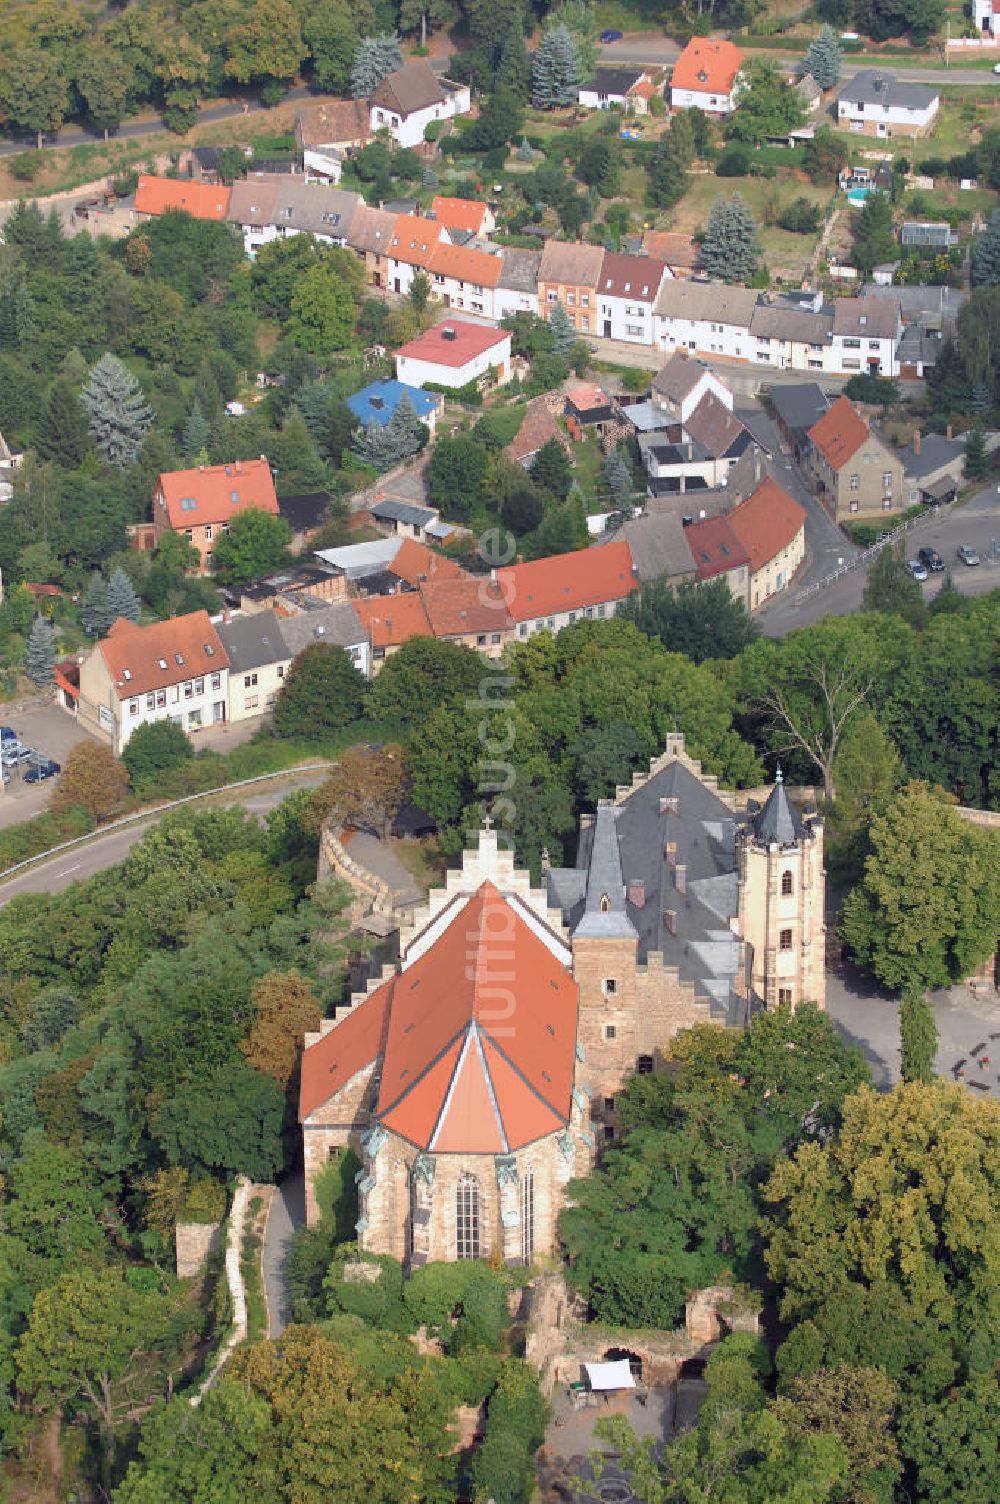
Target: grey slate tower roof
[
  {"x": 778, "y": 823},
  {"x": 604, "y": 912}
]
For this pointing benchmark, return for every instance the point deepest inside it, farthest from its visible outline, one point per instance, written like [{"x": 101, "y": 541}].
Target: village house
[
  {"x": 413, "y": 239},
  {"x": 258, "y": 661},
  {"x": 517, "y": 285},
  {"x": 154, "y": 196},
  {"x": 626, "y": 88},
  {"x": 706, "y": 76},
  {"x": 569, "y": 274},
  {"x": 370, "y": 239},
  {"x": 659, "y": 545},
  {"x": 454, "y": 353},
  {"x": 538, "y": 427},
  {"x": 406, "y": 102},
  {"x": 866, "y": 333},
  {"x": 705, "y": 318},
  {"x": 175, "y": 670},
  {"x": 375, "y": 404},
  {"x": 200, "y": 504},
  {"x": 389, "y": 621},
  {"x": 853, "y": 471},
  {"x": 797, "y": 406},
  {"x": 462, "y": 217},
  {"x": 337, "y": 626},
  {"x": 770, "y": 525},
  {"x": 323, "y": 134},
  {"x": 682, "y": 383},
  {"x": 679, "y": 253},
  {"x": 792, "y": 332},
  {"x": 466, "y": 277},
  {"x": 876, "y": 103},
  {"x": 589, "y": 409},
  {"x": 470, "y": 612},
  {"x": 679, "y": 911},
  {"x": 933, "y": 468},
  {"x": 549, "y": 594},
  {"x": 986, "y": 17},
  {"x": 625, "y": 297},
  {"x": 718, "y": 553}
]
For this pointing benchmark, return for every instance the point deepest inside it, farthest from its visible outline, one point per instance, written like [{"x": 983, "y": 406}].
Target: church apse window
[
  {"x": 528, "y": 1216},
  {"x": 605, "y": 903},
  {"x": 467, "y": 1240},
  {"x": 786, "y": 884}
]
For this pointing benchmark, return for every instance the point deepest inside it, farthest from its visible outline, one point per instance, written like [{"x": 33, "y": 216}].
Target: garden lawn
[{"x": 783, "y": 251}]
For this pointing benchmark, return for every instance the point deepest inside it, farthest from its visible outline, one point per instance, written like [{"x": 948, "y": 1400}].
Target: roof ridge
[
  {"x": 520, "y": 1074},
  {"x": 428, "y": 1065}
]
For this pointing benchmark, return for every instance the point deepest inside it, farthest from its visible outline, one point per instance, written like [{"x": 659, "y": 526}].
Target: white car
[
  {"x": 917, "y": 569},
  {"x": 996, "y": 67}
]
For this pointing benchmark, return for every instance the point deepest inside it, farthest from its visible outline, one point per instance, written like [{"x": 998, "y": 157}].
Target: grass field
[{"x": 784, "y": 252}]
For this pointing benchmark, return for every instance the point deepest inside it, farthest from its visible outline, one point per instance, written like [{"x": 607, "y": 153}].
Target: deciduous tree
[
  {"x": 286, "y": 1009},
  {"x": 918, "y": 1035},
  {"x": 322, "y": 692},
  {"x": 701, "y": 621},
  {"x": 154, "y": 749},
  {"x": 366, "y": 787},
  {"x": 256, "y": 543},
  {"x": 93, "y": 779}
]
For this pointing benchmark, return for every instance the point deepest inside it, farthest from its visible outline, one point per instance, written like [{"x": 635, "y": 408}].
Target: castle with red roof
[{"x": 477, "y": 1076}]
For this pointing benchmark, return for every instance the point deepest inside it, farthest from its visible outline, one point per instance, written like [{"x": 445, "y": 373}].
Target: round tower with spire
[{"x": 782, "y": 888}]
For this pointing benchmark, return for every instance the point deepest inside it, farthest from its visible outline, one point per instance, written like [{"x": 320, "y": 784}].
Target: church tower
[{"x": 781, "y": 902}]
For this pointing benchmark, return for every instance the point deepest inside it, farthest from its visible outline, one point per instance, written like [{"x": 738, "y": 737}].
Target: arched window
[
  {"x": 786, "y": 883},
  {"x": 527, "y": 1216},
  {"x": 605, "y": 903},
  {"x": 467, "y": 1218}
]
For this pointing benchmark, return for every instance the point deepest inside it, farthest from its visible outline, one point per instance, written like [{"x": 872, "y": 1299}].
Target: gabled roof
[
  {"x": 417, "y": 564},
  {"x": 635, "y": 277},
  {"x": 873, "y": 86},
  {"x": 840, "y": 433},
  {"x": 338, "y": 625},
  {"x": 376, "y": 402},
  {"x": 659, "y": 545},
  {"x": 671, "y": 247},
  {"x": 570, "y": 264},
  {"x": 538, "y": 426},
  {"x": 767, "y": 522},
  {"x": 458, "y": 606},
  {"x": 452, "y": 343},
  {"x": 693, "y": 298},
  {"x": 252, "y": 199},
  {"x": 140, "y": 659},
  {"x": 314, "y": 207},
  {"x": 568, "y": 582},
  {"x": 451, "y": 1081},
  {"x": 253, "y": 641},
  {"x": 715, "y": 547},
  {"x": 339, "y": 122},
  {"x": 678, "y": 376},
  {"x": 519, "y": 269},
  {"x": 871, "y": 318},
  {"x": 708, "y": 65},
  {"x": 459, "y": 213},
  {"x": 391, "y": 620},
  {"x": 200, "y": 200},
  {"x": 615, "y": 82},
  {"x": 798, "y": 404},
  {"x": 371, "y": 230},
  {"x": 716, "y": 429},
  {"x": 414, "y": 239},
  {"x": 409, "y": 89},
  {"x": 605, "y": 915},
  {"x": 213, "y": 493},
  {"x": 465, "y": 264}
]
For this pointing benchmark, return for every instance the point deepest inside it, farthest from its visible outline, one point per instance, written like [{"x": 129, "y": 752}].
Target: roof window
[
  {"x": 126, "y": 673},
  {"x": 209, "y": 650},
  {"x": 234, "y": 496},
  {"x": 163, "y": 663},
  {"x": 188, "y": 503},
  {"x": 179, "y": 659}
]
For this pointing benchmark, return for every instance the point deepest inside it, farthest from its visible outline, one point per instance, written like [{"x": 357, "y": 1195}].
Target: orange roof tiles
[
  {"x": 671, "y": 247},
  {"x": 768, "y": 521},
  {"x": 464, "y": 1069},
  {"x": 141, "y": 659},
  {"x": 212, "y": 493},
  {"x": 200, "y": 200},
  {"x": 459, "y": 606},
  {"x": 413, "y": 240},
  {"x": 391, "y": 620},
  {"x": 416, "y": 564},
  {"x": 568, "y": 582},
  {"x": 840, "y": 433},
  {"x": 538, "y": 426},
  {"x": 708, "y": 65},
  {"x": 452, "y": 343},
  {"x": 459, "y": 213},
  {"x": 465, "y": 264},
  {"x": 714, "y": 546}
]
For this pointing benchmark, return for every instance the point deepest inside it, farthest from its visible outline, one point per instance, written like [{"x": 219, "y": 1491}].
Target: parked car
[
  {"x": 44, "y": 768},
  {"x": 931, "y": 559},
  {"x": 612, "y": 36},
  {"x": 917, "y": 569},
  {"x": 13, "y": 753},
  {"x": 7, "y": 734},
  {"x": 967, "y": 554}
]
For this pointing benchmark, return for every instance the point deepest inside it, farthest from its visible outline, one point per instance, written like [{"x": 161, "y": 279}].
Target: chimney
[
  {"x": 238, "y": 467},
  {"x": 670, "y": 852},
  {"x": 680, "y": 877},
  {"x": 637, "y": 893},
  {"x": 916, "y": 441},
  {"x": 669, "y": 806},
  {"x": 670, "y": 920}
]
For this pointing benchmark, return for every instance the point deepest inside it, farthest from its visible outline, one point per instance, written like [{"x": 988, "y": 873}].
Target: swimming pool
[{"x": 858, "y": 195}]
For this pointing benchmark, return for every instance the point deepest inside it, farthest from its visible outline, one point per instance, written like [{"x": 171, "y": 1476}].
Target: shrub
[
  {"x": 733, "y": 163},
  {"x": 204, "y": 1202},
  {"x": 800, "y": 216},
  {"x": 379, "y": 1302},
  {"x": 484, "y": 1317},
  {"x": 152, "y": 750},
  {"x": 27, "y": 165}
]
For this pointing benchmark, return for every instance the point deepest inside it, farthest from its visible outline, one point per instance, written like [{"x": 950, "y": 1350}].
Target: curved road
[{"x": 68, "y": 867}]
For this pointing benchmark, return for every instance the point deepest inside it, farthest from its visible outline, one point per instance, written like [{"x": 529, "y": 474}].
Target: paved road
[
  {"x": 107, "y": 851},
  {"x": 976, "y": 523},
  {"x": 287, "y": 1213},
  {"x": 643, "y": 48}
]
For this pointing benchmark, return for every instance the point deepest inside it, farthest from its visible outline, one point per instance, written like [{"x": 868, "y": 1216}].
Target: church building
[{"x": 478, "y": 1075}]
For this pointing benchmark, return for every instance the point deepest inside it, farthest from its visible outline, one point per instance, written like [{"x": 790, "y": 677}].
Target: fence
[{"x": 866, "y": 555}]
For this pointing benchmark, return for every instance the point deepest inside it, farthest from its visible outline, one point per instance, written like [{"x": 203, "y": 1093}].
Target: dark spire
[
  {"x": 779, "y": 822},
  {"x": 604, "y": 911}
]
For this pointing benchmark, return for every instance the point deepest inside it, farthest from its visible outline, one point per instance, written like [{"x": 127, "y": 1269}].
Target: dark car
[
  {"x": 7, "y": 734},
  {"x": 931, "y": 558},
  {"x": 44, "y": 768},
  {"x": 612, "y": 36}
]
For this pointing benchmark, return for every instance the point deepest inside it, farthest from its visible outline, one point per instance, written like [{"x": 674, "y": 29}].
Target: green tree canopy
[
  {"x": 256, "y": 543},
  {"x": 322, "y": 692},
  {"x": 701, "y": 621}
]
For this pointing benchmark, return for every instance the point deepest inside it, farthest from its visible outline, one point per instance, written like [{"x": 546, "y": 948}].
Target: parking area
[{"x": 42, "y": 725}]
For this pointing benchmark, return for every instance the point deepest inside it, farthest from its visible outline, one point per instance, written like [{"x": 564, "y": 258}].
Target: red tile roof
[
  {"x": 840, "y": 433},
  {"x": 458, "y": 1074},
  {"x": 466, "y": 342},
  {"x": 708, "y": 65},
  {"x": 391, "y": 620},
  {"x": 714, "y": 547},
  {"x": 200, "y": 200},
  {"x": 671, "y": 246},
  {"x": 212, "y": 493},
  {"x": 568, "y": 582},
  {"x": 416, "y": 563},
  {"x": 140, "y": 659},
  {"x": 459, "y": 213},
  {"x": 456, "y": 607},
  {"x": 635, "y": 277},
  {"x": 767, "y": 522},
  {"x": 466, "y": 264},
  {"x": 414, "y": 239}
]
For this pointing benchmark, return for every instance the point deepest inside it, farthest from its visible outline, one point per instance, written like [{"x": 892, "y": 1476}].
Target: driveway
[
  {"x": 40, "y": 724},
  {"x": 287, "y": 1213}
]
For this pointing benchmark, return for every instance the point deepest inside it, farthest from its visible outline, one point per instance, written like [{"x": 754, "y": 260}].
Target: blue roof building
[{"x": 377, "y": 403}]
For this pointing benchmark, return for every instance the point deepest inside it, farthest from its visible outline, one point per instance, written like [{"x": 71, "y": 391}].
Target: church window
[
  {"x": 467, "y": 1218},
  {"x": 785, "y": 940},
  {"x": 610, "y": 986},
  {"x": 528, "y": 1217},
  {"x": 644, "y": 1065},
  {"x": 605, "y": 903},
  {"x": 786, "y": 883},
  {"x": 610, "y": 1032}
]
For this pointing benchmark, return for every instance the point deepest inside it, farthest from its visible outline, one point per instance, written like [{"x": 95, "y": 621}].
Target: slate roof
[
  {"x": 659, "y": 546},
  {"x": 799, "y": 404},
  {"x": 936, "y": 452},
  {"x": 704, "y": 949},
  {"x": 779, "y": 822},
  {"x": 719, "y": 431},
  {"x": 253, "y": 641},
  {"x": 605, "y": 911},
  {"x": 873, "y": 86},
  {"x": 871, "y": 318},
  {"x": 395, "y": 509},
  {"x": 519, "y": 270},
  {"x": 303, "y": 513},
  {"x": 338, "y": 625},
  {"x": 614, "y": 82}
]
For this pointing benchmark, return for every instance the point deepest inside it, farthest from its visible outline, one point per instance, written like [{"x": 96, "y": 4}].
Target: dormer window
[
  {"x": 188, "y": 503},
  {"x": 163, "y": 663},
  {"x": 234, "y": 496}
]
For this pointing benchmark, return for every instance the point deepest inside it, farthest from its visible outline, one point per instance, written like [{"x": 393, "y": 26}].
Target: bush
[
  {"x": 433, "y": 129},
  {"x": 484, "y": 1317},
  {"x": 434, "y": 1293},
  {"x": 378, "y": 1303},
  {"x": 504, "y": 1469},
  {"x": 800, "y": 216},
  {"x": 27, "y": 165},
  {"x": 873, "y": 389},
  {"x": 204, "y": 1202},
  {"x": 152, "y": 750},
  {"x": 733, "y": 163}
]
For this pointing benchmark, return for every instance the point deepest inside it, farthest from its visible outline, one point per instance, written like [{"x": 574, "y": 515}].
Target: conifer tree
[
  {"x": 40, "y": 653},
  {"x": 823, "y": 59},
  {"x": 668, "y": 179},
  {"x": 977, "y": 461},
  {"x": 986, "y": 254},
  {"x": 196, "y": 435},
  {"x": 555, "y": 73},
  {"x": 61, "y": 429},
  {"x": 118, "y": 412},
  {"x": 918, "y": 1035},
  {"x": 563, "y": 333},
  {"x": 524, "y": 152},
  {"x": 387, "y": 444},
  {"x": 729, "y": 246},
  {"x": 95, "y": 617},
  {"x": 618, "y": 478},
  {"x": 122, "y": 599},
  {"x": 374, "y": 59}
]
